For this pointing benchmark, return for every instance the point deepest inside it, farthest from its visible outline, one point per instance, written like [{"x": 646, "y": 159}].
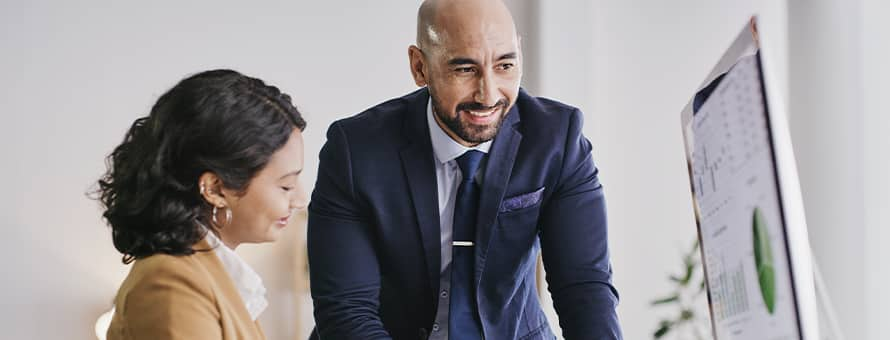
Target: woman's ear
[{"x": 211, "y": 189}]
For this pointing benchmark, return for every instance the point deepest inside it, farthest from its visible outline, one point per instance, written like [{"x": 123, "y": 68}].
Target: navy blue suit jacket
[{"x": 373, "y": 236}]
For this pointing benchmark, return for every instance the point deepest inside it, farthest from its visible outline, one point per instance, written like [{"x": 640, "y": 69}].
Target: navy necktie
[{"x": 463, "y": 317}]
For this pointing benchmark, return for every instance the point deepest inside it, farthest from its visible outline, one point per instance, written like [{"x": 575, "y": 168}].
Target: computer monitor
[{"x": 747, "y": 202}]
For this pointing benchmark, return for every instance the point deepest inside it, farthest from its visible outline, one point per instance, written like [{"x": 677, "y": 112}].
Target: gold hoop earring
[
  {"x": 216, "y": 222},
  {"x": 213, "y": 217}
]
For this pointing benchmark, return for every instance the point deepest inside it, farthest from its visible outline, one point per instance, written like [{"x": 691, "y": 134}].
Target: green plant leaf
[
  {"x": 663, "y": 329},
  {"x": 676, "y": 279},
  {"x": 687, "y": 314},
  {"x": 669, "y": 299},
  {"x": 687, "y": 276}
]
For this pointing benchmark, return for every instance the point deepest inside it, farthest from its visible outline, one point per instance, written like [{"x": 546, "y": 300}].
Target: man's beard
[{"x": 469, "y": 132}]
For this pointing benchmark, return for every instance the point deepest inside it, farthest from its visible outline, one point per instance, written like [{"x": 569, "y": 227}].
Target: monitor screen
[{"x": 739, "y": 203}]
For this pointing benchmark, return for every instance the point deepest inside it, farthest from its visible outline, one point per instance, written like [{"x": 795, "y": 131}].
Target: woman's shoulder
[
  {"x": 162, "y": 265},
  {"x": 167, "y": 294},
  {"x": 168, "y": 275},
  {"x": 165, "y": 262}
]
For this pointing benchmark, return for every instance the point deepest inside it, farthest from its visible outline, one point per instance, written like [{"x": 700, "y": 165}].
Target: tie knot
[{"x": 469, "y": 163}]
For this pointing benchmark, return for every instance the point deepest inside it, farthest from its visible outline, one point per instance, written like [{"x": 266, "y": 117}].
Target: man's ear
[
  {"x": 211, "y": 189},
  {"x": 417, "y": 63}
]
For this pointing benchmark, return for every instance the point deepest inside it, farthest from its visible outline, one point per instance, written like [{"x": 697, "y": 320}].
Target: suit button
[
  {"x": 435, "y": 327},
  {"x": 444, "y": 294}
]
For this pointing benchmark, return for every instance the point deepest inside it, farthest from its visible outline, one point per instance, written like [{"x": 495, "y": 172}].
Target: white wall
[
  {"x": 76, "y": 74},
  {"x": 631, "y": 66},
  {"x": 827, "y": 125},
  {"x": 839, "y": 103},
  {"x": 876, "y": 72}
]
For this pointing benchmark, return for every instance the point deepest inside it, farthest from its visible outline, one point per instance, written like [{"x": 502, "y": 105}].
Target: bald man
[{"x": 430, "y": 209}]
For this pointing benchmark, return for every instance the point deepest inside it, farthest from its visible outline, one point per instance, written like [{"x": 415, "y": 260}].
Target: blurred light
[{"x": 103, "y": 323}]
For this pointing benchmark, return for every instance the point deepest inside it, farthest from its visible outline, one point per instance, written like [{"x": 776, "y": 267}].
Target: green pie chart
[{"x": 763, "y": 258}]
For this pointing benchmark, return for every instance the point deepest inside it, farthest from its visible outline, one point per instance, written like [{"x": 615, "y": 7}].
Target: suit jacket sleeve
[
  {"x": 171, "y": 304},
  {"x": 343, "y": 267},
  {"x": 575, "y": 245}
]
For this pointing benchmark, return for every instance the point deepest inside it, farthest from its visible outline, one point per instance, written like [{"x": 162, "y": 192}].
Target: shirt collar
[
  {"x": 247, "y": 281},
  {"x": 444, "y": 146}
]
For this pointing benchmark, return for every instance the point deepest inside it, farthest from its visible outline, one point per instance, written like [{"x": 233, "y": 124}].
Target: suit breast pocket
[
  {"x": 522, "y": 201},
  {"x": 516, "y": 233},
  {"x": 519, "y": 213}
]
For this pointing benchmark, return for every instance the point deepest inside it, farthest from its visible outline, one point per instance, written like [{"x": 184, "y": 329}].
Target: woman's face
[{"x": 272, "y": 198}]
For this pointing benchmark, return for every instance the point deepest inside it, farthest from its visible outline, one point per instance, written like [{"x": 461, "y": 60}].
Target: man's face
[{"x": 473, "y": 77}]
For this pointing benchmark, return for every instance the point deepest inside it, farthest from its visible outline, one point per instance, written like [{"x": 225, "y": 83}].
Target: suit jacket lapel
[
  {"x": 419, "y": 167},
  {"x": 498, "y": 168}
]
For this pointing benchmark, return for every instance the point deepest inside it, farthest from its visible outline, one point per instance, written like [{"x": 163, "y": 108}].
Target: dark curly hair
[{"x": 218, "y": 121}]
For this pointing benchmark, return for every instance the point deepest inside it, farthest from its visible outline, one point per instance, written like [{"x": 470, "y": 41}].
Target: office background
[{"x": 76, "y": 74}]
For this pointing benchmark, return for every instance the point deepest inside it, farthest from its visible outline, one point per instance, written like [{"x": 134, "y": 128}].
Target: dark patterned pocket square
[{"x": 522, "y": 201}]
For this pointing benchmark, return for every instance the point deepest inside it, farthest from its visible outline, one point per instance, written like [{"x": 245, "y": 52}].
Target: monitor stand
[{"x": 831, "y": 329}]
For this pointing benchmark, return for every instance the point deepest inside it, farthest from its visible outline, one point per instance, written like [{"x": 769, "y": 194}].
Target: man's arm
[
  {"x": 575, "y": 246},
  {"x": 343, "y": 268}
]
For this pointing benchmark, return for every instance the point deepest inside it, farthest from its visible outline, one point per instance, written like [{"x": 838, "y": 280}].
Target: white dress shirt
[
  {"x": 448, "y": 178},
  {"x": 247, "y": 281}
]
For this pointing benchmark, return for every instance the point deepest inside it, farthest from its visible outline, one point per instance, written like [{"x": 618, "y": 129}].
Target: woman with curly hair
[{"x": 215, "y": 164}]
